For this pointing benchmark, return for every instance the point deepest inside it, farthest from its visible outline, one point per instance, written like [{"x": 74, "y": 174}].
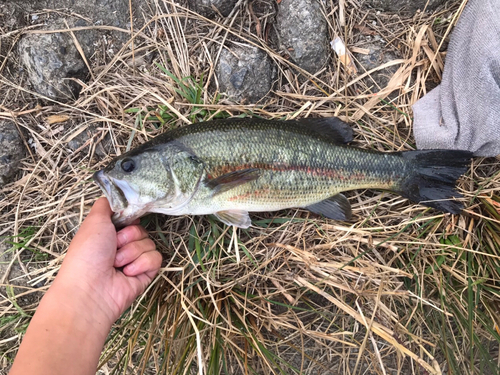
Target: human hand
[
  {"x": 89, "y": 294},
  {"x": 90, "y": 267}
]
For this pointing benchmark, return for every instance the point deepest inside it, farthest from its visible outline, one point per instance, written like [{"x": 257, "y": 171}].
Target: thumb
[
  {"x": 100, "y": 211},
  {"x": 99, "y": 216},
  {"x": 96, "y": 235}
]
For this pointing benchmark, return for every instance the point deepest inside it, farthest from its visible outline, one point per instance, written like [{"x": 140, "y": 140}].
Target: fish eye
[{"x": 128, "y": 165}]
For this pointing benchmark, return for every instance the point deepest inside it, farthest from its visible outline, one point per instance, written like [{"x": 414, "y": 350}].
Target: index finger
[{"x": 130, "y": 234}]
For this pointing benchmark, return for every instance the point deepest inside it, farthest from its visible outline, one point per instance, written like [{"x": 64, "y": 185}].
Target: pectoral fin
[
  {"x": 336, "y": 208},
  {"x": 238, "y": 218},
  {"x": 230, "y": 180}
]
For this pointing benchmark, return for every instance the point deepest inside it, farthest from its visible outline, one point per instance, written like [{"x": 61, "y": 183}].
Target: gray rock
[
  {"x": 377, "y": 56},
  {"x": 245, "y": 73},
  {"x": 11, "y": 151},
  {"x": 206, "y": 7},
  {"x": 303, "y": 33},
  {"x": 404, "y": 6},
  {"x": 52, "y": 61}
]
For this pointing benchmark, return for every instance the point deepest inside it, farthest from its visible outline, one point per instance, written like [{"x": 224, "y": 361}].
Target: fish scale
[
  {"x": 233, "y": 166},
  {"x": 299, "y": 166}
]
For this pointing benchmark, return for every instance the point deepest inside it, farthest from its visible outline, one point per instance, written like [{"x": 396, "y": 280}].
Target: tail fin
[{"x": 432, "y": 178}]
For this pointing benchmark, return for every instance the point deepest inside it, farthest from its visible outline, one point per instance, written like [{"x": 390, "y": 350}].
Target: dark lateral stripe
[
  {"x": 221, "y": 170},
  {"x": 341, "y": 175}
]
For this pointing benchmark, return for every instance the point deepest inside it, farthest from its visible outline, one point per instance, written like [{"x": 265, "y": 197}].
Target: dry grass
[{"x": 400, "y": 289}]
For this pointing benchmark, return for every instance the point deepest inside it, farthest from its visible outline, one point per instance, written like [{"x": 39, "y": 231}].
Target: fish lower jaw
[
  {"x": 120, "y": 221},
  {"x": 128, "y": 215}
]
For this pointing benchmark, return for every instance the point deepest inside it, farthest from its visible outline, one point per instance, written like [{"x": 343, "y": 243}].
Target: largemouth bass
[{"x": 235, "y": 166}]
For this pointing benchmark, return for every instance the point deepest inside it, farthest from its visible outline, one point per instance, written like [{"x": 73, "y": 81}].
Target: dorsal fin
[{"x": 328, "y": 127}]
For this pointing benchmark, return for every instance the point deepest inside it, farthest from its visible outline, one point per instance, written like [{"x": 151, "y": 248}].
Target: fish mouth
[{"x": 115, "y": 195}]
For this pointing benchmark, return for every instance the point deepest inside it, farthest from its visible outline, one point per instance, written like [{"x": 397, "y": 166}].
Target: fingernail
[{"x": 119, "y": 258}]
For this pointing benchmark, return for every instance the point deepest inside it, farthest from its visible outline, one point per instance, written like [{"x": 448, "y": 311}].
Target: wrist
[
  {"x": 73, "y": 300},
  {"x": 66, "y": 335}
]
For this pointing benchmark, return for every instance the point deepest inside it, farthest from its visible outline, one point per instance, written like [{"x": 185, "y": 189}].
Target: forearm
[
  {"x": 69, "y": 328},
  {"x": 65, "y": 336}
]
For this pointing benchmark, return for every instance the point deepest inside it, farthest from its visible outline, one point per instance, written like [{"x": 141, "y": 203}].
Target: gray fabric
[{"x": 464, "y": 111}]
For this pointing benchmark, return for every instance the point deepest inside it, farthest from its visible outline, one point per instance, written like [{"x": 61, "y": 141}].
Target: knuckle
[
  {"x": 154, "y": 260},
  {"x": 137, "y": 247},
  {"x": 159, "y": 259},
  {"x": 150, "y": 244},
  {"x": 135, "y": 232},
  {"x": 142, "y": 246}
]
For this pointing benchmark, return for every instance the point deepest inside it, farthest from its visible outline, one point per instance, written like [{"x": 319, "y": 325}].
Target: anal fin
[
  {"x": 336, "y": 208},
  {"x": 238, "y": 218}
]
